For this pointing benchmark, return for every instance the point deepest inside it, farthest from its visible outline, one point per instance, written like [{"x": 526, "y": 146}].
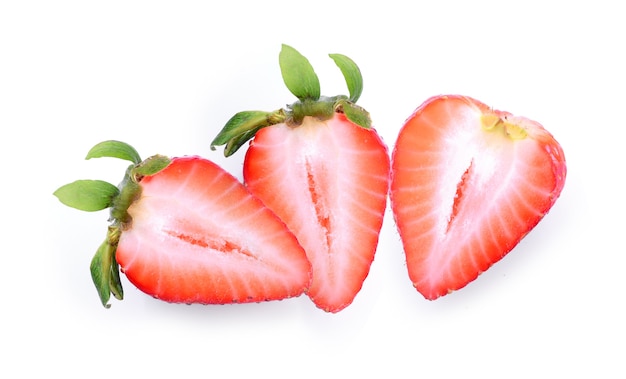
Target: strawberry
[
  {"x": 468, "y": 183},
  {"x": 184, "y": 230},
  {"x": 325, "y": 172}
]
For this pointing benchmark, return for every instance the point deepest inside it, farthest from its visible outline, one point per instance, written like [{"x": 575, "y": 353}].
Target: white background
[{"x": 165, "y": 76}]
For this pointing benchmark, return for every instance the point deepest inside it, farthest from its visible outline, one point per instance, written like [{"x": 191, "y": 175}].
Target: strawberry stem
[
  {"x": 302, "y": 82},
  {"x": 130, "y": 191},
  {"x": 94, "y": 195},
  {"x": 322, "y": 109}
]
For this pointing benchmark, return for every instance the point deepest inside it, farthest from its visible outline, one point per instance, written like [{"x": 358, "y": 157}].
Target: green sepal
[
  {"x": 92, "y": 195},
  {"x": 100, "y": 273},
  {"x": 352, "y": 75},
  {"x": 150, "y": 166},
  {"x": 356, "y": 114},
  {"x": 114, "y": 149},
  {"x": 242, "y": 127},
  {"x": 105, "y": 269},
  {"x": 238, "y": 125},
  {"x": 301, "y": 80},
  {"x": 234, "y": 144},
  {"x": 298, "y": 74},
  {"x": 87, "y": 195},
  {"x": 100, "y": 268},
  {"x": 115, "y": 283}
]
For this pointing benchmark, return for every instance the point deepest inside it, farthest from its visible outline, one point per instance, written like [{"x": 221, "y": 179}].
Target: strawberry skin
[
  {"x": 468, "y": 183},
  {"x": 198, "y": 236},
  {"x": 328, "y": 181}
]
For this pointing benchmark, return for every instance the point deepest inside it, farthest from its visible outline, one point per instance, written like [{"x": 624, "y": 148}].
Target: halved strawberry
[
  {"x": 468, "y": 183},
  {"x": 328, "y": 181},
  {"x": 186, "y": 231},
  {"x": 324, "y": 171}
]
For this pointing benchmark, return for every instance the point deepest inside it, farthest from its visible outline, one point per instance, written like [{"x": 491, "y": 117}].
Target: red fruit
[
  {"x": 184, "y": 230},
  {"x": 328, "y": 181},
  {"x": 468, "y": 183},
  {"x": 323, "y": 170},
  {"x": 198, "y": 236}
]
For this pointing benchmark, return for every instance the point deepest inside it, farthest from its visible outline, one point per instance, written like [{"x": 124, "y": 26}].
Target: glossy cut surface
[
  {"x": 468, "y": 183},
  {"x": 198, "y": 236},
  {"x": 328, "y": 180}
]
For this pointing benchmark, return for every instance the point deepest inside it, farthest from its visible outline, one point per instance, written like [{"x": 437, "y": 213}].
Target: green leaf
[
  {"x": 105, "y": 269},
  {"x": 151, "y": 165},
  {"x": 114, "y": 149},
  {"x": 100, "y": 268},
  {"x": 115, "y": 283},
  {"x": 298, "y": 74},
  {"x": 243, "y": 126},
  {"x": 356, "y": 114},
  {"x": 239, "y": 124},
  {"x": 351, "y": 73},
  {"x": 87, "y": 195},
  {"x": 235, "y": 143}
]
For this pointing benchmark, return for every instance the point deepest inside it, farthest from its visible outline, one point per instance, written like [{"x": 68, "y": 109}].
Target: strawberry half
[
  {"x": 468, "y": 183},
  {"x": 322, "y": 168},
  {"x": 186, "y": 231}
]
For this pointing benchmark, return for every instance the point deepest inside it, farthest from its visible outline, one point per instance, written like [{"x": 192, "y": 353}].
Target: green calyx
[
  {"x": 96, "y": 195},
  {"x": 303, "y": 83}
]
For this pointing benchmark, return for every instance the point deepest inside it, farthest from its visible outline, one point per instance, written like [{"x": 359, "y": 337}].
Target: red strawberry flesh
[
  {"x": 328, "y": 180},
  {"x": 468, "y": 183},
  {"x": 198, "y": 236}
]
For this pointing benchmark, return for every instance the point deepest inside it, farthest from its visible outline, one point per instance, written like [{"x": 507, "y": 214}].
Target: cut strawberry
[
  {"x": 324, "y": 171},
  {"x": 186, "y": 231},
  {"x": 468, "y": 183},
  {"x": 328, "y": 181}
]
